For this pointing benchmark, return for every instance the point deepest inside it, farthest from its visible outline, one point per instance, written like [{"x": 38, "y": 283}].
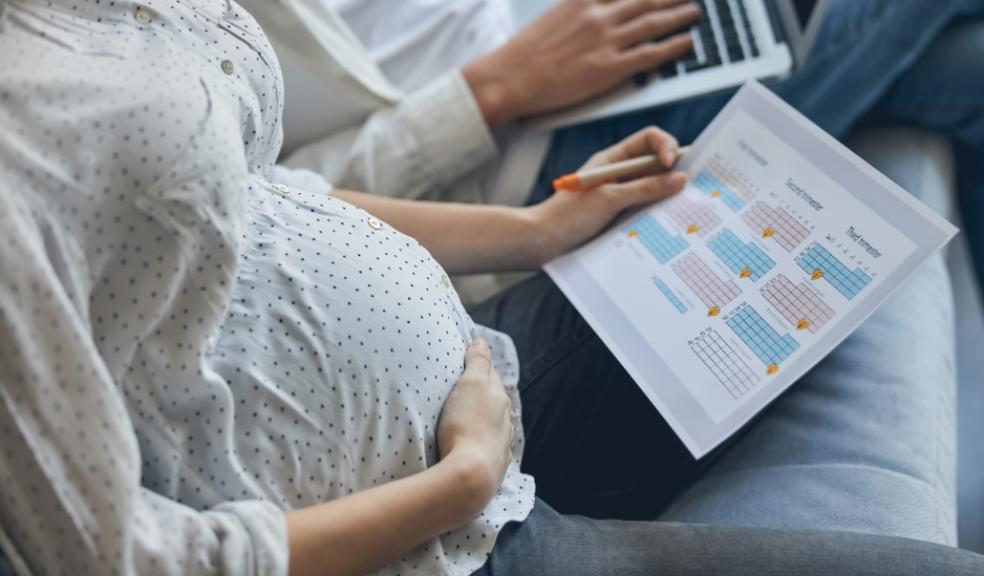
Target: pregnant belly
[{"x": 342, "y": 342}]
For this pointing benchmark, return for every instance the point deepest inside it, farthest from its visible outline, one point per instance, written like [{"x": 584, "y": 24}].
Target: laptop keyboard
[{"x": 722, "y": 36}]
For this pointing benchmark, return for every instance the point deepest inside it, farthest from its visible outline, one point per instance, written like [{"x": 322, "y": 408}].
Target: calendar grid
[
  {"x": 724, "y": 363},
  {"x": 670, "y": 295},
  {"x": 771, "y": 347},
  {"x": 820, "y": 263},
  {"x": 694, "y": 216},
  {"x": 714, "y": 292},
  {"x": 663, "y": 245},
  {"x": 777, "y": 224},
  {"x": 745, "y": 259},
  {"x": 798, "y": 304}
]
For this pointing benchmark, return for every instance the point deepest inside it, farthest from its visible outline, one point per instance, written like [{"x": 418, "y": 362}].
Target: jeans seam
[{"x": 539, "y": 365}]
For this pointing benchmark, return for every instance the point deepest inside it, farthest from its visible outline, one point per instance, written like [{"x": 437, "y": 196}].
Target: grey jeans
[{"x": 551, "y": 544}]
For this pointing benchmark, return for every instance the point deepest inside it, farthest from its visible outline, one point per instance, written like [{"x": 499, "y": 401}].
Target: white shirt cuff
[{"x": 452, "y": 136}]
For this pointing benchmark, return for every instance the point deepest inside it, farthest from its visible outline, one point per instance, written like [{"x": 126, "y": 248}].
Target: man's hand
[
  {"x": 567, "y": 219},
  {"x": 579, "y": 49}
]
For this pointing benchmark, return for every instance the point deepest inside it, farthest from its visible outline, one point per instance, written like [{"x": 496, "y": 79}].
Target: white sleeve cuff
[
  {"x": 264, "y": 550},
  {"x": 451, "y": 134}
]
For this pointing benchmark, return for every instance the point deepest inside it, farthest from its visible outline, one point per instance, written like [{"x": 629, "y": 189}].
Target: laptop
[{"x": 734, "y": 41}]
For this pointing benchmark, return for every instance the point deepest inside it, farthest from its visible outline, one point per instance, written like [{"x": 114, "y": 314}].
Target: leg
[
  {"x": 939, "y": 93},
  {"x": 550, "y": 544},
  {"x": 866, "y": 441},
  {"x": 580, "y": 407}
]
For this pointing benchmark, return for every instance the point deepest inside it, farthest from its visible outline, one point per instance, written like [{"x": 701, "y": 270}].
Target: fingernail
[
  {"x": 670, "y": 157},
  {"x": 679, "y": 179}
]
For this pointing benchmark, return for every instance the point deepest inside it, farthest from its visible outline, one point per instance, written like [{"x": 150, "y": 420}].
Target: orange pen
[{"x": 588, "y": 179}]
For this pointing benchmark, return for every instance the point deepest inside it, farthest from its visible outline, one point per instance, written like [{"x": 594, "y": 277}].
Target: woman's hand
[
  {"x": 358, "y": 533},
  {"x": 579, "y": 49},
  {"x": 476, "y": 427},
  {"x": 567, "y": 219}
]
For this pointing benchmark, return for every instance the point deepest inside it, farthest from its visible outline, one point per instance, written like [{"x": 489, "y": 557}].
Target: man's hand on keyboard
[{"x": 577, "y": 50}]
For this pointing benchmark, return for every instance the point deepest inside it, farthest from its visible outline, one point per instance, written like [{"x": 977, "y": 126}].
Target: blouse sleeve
[{"x": 69, "y": 458}]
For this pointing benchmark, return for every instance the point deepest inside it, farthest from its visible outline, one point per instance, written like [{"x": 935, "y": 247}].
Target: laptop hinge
[{"x": 779, "y": 33}]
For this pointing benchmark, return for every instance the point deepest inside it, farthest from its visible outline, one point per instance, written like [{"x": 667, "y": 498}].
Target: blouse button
[
  {"x": 281, "y": 188},
  {"x": 374, "y": 223},
  {"x": 228, "y": 67},
  {"x": 142, "y": 16}
]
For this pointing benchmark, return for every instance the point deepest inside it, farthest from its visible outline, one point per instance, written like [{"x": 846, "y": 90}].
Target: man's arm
[{"x": 578, "y": 50}]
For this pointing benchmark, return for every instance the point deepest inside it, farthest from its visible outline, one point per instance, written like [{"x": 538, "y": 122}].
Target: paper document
[{"x": 720, "y": 298}]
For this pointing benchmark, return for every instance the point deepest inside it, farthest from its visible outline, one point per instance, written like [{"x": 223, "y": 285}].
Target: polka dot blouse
[{"x": 192, "y": 339}]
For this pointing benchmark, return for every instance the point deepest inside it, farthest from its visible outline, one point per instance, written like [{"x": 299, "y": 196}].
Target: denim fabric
[
  {"x": 549, "y": 544},
  {"x": 911, "y": 61}
]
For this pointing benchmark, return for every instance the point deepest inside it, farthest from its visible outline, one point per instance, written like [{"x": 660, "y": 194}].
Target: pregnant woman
[{"x": 211, "y": 364}]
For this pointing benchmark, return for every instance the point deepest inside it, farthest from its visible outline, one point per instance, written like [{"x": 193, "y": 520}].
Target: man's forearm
[{"x": 464, "y": 238}]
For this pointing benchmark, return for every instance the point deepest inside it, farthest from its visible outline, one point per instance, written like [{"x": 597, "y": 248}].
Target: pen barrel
[{"x": 598, "y": 176}]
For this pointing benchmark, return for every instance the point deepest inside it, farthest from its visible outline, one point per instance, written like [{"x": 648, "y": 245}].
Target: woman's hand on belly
[
  {"x": 476, "y": 426},
  {"x": 357, "y": 534}
]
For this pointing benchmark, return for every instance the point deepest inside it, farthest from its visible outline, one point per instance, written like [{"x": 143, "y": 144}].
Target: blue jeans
[{"x": 917, "y": 62}]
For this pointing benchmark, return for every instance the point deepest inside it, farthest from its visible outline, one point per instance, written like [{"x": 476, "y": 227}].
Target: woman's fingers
[
  {"x": 649, "y": 140},
  {"x": 646, "y": 190},
  {"x": 656, "y": 25},
  {"x": 478, "y": 361}
]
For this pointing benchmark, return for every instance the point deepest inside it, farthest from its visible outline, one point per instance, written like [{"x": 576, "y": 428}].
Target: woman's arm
[
  {"x": 467, "y": 238},
  {"x": 359, "y": 533},
  {"x": 464, "y": 238}
]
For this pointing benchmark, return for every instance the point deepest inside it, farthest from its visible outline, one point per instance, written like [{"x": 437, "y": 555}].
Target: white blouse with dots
[{"x": 191, "y": 338}]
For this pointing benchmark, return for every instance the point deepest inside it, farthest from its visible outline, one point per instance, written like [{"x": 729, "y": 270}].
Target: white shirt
[
  {"x": 415, "y": 42},
  {"x": 193, "y": 340},
  {"x": 375, "y": 101}
]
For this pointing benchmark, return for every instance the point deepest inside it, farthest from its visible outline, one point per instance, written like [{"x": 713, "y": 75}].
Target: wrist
[
  {"x": 471, "y": 480},
  {"x": 493, "y": 90},
  {"x": 540, "y": 240}
]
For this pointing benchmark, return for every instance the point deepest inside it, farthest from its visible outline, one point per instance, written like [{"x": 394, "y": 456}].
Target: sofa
[{"x": 916, "y": 158}]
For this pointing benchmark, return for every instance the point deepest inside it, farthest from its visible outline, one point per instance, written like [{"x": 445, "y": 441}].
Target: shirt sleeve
[
  {"x": 69, "y": 458},
  {"x": 416, "y": 148}
]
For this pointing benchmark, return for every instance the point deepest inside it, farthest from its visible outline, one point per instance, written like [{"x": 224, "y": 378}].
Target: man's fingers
[
  {"x": 478, "y": 360},
  {"x": 627, "y": 10},
  {"x": 648, "y": 189},
  {"x": 656, "y": 25},
  {"x": 651, "y": 55}
]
